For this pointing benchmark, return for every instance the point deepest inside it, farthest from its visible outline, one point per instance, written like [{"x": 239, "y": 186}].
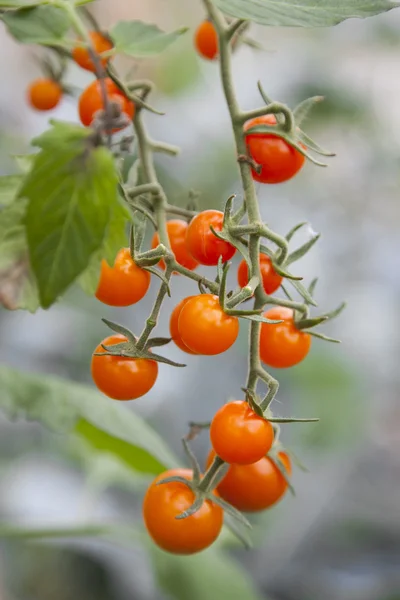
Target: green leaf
[
  {"x": 64, "y": 407},
  {"x": 9, "y": 186},
  {"x": 116, "y": 238},
  {"x": 19, "y": 3},
  {"x": 46, "y": 25},
  {"x": 211, "y": 575},
  {"x": 142, "y": 39},
  {"x": 303, "y": 13},
  {"x": 17, "y": 284},
  {"x": 71, "y": 189},
  {"x": 24, "y": 161}
]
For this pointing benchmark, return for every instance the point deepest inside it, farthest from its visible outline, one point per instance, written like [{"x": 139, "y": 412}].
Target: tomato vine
[{"x": 270, "y": 147}]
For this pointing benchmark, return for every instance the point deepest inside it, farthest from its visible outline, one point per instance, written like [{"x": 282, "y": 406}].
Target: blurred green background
[{"x": 339, "y": 538}]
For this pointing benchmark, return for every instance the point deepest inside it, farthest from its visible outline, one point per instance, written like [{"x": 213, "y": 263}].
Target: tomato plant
[
  {"x": 124, "y": 283},
  {"x": 239, "y": 435},
  {"x": 206, "y": 40},
  {"x": 119, "y": 377},
  {"x": 278, "y": 160},
  {"x": 256, "y": 486},
  {"x": 99, "y": 43},
  {"x": 283, "y": 345},
  {"x": 44, "y": 94},
  {"x": 177, "y": 230},
  {"x": 164, "y": 502},
  {"x": 204, "y": 327},
  {"x": 270, "y": 279},
  {"x": 174, "y": 328},
  {"x": 203, "y": 244},
  {"x": 91, "y": 101},
  {"x": 66, "y": 219}
]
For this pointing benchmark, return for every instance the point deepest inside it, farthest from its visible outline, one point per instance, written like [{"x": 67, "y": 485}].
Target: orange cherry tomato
[
  {"x": 282, "y": 345},
  {"x": 270, "y": 279},
  {"x": 253, "y": 487},
  {"x": 162, "y": 503},
  {"x": 122, "y": 378},
  {"x": 44, "y": 94},
  {"x": 123, "y": 284},
  {"x": 91, "y": 101},
  {"x": 278, "y": 159},
  {"x": 204, "y": 327},
  {"x": 202, "y": 244},
  {"x": 238, "y": 435},
  {"x": 206, "y": 40},
  {"x": 100, "y": 44},
  {"x": 173, "y": 326},
  {"x": 176, "y": 230}
]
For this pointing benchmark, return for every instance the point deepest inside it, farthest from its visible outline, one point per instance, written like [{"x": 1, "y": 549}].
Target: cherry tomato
[
  {"x": 270, "y": 279},
  {"x": 44, "y": 94},
  {"x": 282, "y": 345},
  {"x": 238, "y": 435},
  {"x": 278, "y": 159},
  {"x": 204, "y": 327},
  {"x": 122, "y": 378},
  {"x": 206, "y": 40},
  {"x": 176, "y": 230},
  {"x": 173, "y": 326},
  {"x": 162, "y": 503},
  {"x": 91, "y": 101},
  {"x": 123, "y": 284},
  {"x": 100, "y": 44},
  {"x": 253, "y": 487},
  {"x": 203, "y": 245}
]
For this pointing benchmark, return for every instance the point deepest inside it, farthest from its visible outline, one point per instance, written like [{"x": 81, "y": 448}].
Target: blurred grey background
[{"x": 339, "y": 538}]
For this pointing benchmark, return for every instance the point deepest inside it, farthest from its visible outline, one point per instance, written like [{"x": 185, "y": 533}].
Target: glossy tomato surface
[
  {"x": 205, "y": 328},
  {"x": 164, "y": 502},
  {"x": 283, "y": 345},
  {"x": 122, "y": 378}
]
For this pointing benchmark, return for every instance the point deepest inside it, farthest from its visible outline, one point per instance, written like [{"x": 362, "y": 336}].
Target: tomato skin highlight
[
  {"x": 279, "y": 161},
  {"x": 203, "y": 245},
  {"x": 177, "y": 229},
  {"x": 255, "y": 487},
  {"x": 204, "y": 327},
  {"x": 162, "y": 503},
  {"x": 206, "y": 40},
  {"x": 44, "y": 94},
  {"x": 238, "y": 435},
  {"x": 122, "y": 378},
  {"x": 270, "y": 279},
  {"x": 100, "y": 44},
  {"x": 174, "y": 329},
  {"x": 282, "y": 345},
  {"x": 124, "y": 283},
  {"x": 91, "y": 101}
]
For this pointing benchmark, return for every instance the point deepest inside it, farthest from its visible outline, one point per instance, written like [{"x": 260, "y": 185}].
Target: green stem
[
  {"x": 215, "y": 466},
  {"x": 250, "y": 196}
]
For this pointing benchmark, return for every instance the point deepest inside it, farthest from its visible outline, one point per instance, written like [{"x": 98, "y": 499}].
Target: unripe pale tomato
[
  {"x": 270, "y": 279},
  {"x": 253, "y": 487},
  {"x": 177, "y": 229},
  {"x": 202, "y": 244},
  {"x": 279, "y": 161},
  {"x": 44, "y": 94},
  {"x": 91, "y": 101},
  {"x": 162, "y": 503},
  {"x": 206, "y": 40},
  {"x": 238, "y": 435},
  {"x": 100, "y": 44},
  {"x": 122, "y": 378},
  {"x": 204, "y": 327},
  {"x": 282, "y": 345},
  {"x": 173, "y": 326},
  {"x": 124, "y": 283}
]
